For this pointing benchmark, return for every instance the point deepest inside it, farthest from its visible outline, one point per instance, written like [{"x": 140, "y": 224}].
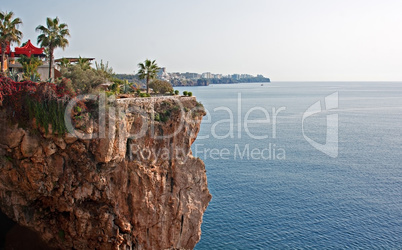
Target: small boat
[{"x": 262, "y": 84}]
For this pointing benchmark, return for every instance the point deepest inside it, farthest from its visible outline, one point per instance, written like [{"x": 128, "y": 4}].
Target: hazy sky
[{"x": 285, "y": 40}]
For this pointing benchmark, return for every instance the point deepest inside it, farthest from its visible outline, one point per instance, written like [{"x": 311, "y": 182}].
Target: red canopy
[
  {"x": 28, "y": 50},
  {"x": 7, "y": 49}
]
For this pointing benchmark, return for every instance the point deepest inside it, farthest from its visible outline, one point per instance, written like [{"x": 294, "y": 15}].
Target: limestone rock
[
  {"x": 49, "y": 147},
  {"x": 69, "y": 138},
  {"x": 59, "y": 142},
  {"x": 29, "y": 145},
  {"x": 11, "y": 135},
  {"x": 115, "y": 192}
]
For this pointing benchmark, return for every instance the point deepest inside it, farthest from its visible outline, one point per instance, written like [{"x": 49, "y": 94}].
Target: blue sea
[{"x": 302, "y": 165}]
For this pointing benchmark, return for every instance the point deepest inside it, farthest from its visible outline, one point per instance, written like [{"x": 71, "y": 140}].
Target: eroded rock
[{"x": 118, "y": 192}]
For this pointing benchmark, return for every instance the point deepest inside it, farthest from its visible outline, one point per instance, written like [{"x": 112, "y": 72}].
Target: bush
[
  {"x": 126, "y": 88},
  {"x": 157, "y": 117},
  {"x": 160, "y": 86},
  {"x": 190, "y": 93},
  {"x": 176, "y": 92},
  {"x": 44, "y": 101},
  {"x": 115, "y": 88},
  {"x": 185, "y": 93},
  {"x": 84, "y": 80}
]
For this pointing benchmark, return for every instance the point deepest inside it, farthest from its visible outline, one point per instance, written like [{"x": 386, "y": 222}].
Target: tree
[
  {"x": 84, "y": 63},
  {"x": 9, "y": 33},
  {"x": 64, "y": 62},
  {"x": 160, "y": 86},
  {"x": 53, "y": 36},
  {"x": 104, "y": 70},
  {"x": 148, "y": 70},
  {"x": 30, "y": 66},
  {"x": 86, "y": 81}
]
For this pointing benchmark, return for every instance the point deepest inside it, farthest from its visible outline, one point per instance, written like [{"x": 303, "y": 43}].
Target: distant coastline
[{"x": 183, "y": 81}]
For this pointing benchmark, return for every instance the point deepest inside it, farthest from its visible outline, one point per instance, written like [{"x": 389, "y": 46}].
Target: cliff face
[{"x": 131, "y": 184}]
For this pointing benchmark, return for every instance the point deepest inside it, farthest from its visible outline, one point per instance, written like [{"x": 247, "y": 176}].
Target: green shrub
[
  {"x": 190, "y": 93},
  {"x": 185, "y": 93},
  {"x": 176, "y": 92},
  {"x": 47, "y": 112},
  {"x": 84, "y": 80},
  {"x": 160, "y": 86},
  {"x": 77, "y": 109}
]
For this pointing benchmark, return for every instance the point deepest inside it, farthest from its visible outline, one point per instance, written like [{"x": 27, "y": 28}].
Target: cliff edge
[{"x": 124, "y": 179}]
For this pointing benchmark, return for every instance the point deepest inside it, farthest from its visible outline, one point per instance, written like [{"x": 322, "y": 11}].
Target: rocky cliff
[{"x": 125, "y": 178}]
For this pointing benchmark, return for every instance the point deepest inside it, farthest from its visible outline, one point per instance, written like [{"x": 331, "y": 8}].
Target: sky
[{"x": 286, "y": 40}]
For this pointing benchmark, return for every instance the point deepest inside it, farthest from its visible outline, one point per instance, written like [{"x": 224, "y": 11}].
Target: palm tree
[
  {"x": 148, "y": 70},
  {"x": 9, "y": 33},
  {"x": 64, "y": 62},
  {"x": 84, "y": 63},
  {"x": 53, "y": 36}
]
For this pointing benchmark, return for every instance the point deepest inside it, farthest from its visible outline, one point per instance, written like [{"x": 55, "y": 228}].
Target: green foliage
[
  {"x": 104, "y": 70},
  {"x": 115, "y": 87},
  {"x": 66, "y": 84},
  {"x": 160, "y": 86},
  {"x": 78, "y": 109},
  {"x": 13, "y": 74},
  {"x": 84, "y": 80},
  {"x": 84, "y": 63},
  {"x": 176, "y": 92},
  {"x": 145, "y": 95},
  {"x": 47, "y": 112},
  {"x": 138, "y": 91},
  {"x": 162, "y": 117},
  {"x": 148, "y": 70},
  {"x": 9, "y": 32},
  {"x": 199, "y": 105},
  {"x": 109, "y": 93},
  {"x": 157, "y": 117},
  {"x": 30, "y": 66},
  {"x": 64, "y": 62},
  {"x": 126, "y": 88},
  {"x": 185, "y": 93},
  {"x": 53, "y": 36},
  {"x": 190, "y": 93},
  {"x": 118, "y": 81}
]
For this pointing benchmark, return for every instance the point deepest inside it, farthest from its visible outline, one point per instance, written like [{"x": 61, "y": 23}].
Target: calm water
[{"x": 303, "y": 198}]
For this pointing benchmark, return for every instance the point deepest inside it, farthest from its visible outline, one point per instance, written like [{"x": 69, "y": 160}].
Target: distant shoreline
[{"x": 201, "y": 81}]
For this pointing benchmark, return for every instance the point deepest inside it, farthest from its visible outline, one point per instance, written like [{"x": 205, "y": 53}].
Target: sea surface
[{"x": 272, "y": 189}]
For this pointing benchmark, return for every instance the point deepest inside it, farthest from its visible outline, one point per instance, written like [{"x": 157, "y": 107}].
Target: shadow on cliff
[{"x": 16, "y": 237}]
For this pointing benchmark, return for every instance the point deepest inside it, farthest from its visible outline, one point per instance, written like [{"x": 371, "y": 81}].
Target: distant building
[
  {"x": 235, "y": 76},
  {"x": 189, "y": 75},
  {"x": 162, "y": 74},
  {"x": 206, "y": 75},
  {"x": 242, "y": 76}
]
